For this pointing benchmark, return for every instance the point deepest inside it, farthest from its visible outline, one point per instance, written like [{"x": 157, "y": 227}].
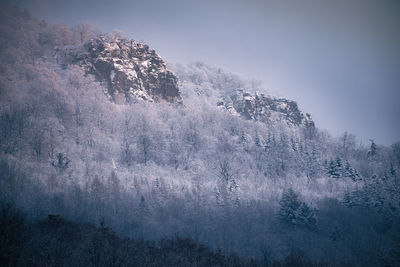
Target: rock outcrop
[
  {"x": 129, "y": 70},
  {"x": 266, "y": 108}
]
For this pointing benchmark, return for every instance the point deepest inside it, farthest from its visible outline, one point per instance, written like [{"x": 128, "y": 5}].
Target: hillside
[{"x": 98, "y": 127}]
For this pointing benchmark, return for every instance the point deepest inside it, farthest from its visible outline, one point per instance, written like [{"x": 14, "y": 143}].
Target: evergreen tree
[
  {"x": 288, "y": 206},
  {"x": 349, "y": 199},
  {"x": 293, "y": 211},
  {"x": 333, "y": 169},
  {"x": 373, "y": 149},
  {"x": 350, "y": 172},
  {"x": 306, "y": 216}
]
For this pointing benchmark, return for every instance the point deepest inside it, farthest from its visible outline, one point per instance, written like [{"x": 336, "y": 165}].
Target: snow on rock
[
  {"x": 266, "y": 108},
  {"x": 127, "y": 68}
]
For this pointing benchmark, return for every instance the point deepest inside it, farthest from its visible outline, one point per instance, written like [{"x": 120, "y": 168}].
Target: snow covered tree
[
  {"x": 62, "y": 162},
  {"x": 226, "y": 185},
  {"x": 306, "y": 216},
  {"x": 334, "y": 168},
  {"x": 126, "y": 140},
  {"x": 347, "y": 145},
  {"x": 372, "y": 149},
  {"x": 350, "y": 172},
  {"x": 396, "y": 152},
  {"x": 292, "y": 211}
]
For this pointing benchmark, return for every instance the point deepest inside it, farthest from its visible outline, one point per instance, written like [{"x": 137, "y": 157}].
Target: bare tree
[
  {"x": 226, "y": 183},
  {"x": 83, "y": 30},
  {"x": 126, "y": 141}
]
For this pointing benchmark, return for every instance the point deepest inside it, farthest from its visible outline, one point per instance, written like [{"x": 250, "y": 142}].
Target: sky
[{"x": 340, "y": 60}]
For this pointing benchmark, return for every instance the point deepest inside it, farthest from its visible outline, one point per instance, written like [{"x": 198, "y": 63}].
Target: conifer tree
[{"x": 293, "y": 211}]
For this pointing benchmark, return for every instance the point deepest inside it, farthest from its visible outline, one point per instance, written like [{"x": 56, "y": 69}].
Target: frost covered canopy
[{"x": 96, "y": 128}]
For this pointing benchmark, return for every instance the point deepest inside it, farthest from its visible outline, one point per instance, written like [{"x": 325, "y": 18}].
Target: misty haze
[{"x": 265, "y": 136}]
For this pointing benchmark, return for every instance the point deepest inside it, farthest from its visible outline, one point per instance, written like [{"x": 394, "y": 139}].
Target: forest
[{"x": 85, "y": 181}]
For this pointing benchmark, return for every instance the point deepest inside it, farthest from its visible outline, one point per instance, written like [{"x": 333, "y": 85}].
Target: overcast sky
[{"x": 339, "y": 60}]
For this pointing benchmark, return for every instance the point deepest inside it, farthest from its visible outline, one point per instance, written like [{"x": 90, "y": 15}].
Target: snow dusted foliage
[
  {"x": 201, "y": 169},
  {"x": 293, "y": 211}
]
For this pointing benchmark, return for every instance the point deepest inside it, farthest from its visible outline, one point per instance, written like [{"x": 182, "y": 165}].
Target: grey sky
[{"x": 340, "y": 60}]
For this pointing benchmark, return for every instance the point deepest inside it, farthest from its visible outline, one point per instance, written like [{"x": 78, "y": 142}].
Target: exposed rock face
[
  {"x": 266, "y": 108},
  {"x": 130, "y": 70}
]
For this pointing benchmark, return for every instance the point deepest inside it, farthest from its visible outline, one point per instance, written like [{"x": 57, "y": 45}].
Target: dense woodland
[{"x": 187, "y": 184}]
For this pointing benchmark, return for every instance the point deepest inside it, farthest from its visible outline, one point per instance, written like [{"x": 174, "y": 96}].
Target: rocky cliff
[
  {"x": 266, "y": 108},
  {"x": 129, "y": 70}
]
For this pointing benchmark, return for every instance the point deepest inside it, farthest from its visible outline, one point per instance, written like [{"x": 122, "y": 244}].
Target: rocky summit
[
  {"x": 130, "y": 70},
  {"x": 266, "y": 108}
]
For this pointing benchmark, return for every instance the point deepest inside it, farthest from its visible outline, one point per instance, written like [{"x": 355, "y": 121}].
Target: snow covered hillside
[{"x": 95, "y": 126}]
